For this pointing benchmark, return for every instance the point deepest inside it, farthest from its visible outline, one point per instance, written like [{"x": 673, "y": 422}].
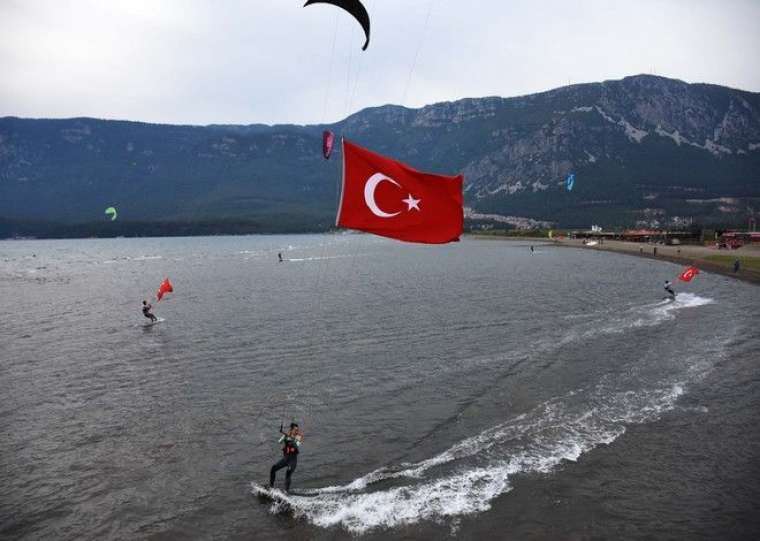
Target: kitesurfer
[
  {"x": 531, "y": 249},
  {"x": 279, "y": 255},
  {"x": 669, "y": 289},
  {"x": 146, "y": 310},
  {"x": 291, "y": 442}
]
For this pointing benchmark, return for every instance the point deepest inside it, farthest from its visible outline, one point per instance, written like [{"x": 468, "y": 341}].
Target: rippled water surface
[{"x": 472, "y": 390}]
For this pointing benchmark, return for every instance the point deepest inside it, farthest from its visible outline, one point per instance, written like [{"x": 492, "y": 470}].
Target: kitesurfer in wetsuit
[
  {"x": 146, "y": 308},
  {"x": 280, "y": 256},
  {"x": 669, "y": 289},
  {"x": 291, "y": 441}
]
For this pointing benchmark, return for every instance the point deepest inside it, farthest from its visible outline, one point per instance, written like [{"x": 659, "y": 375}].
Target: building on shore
[
  {"x": 652, "y": 236},
  {"x": 737, "y": 239}
]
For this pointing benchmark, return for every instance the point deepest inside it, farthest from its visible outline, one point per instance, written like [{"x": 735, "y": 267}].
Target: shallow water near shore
[{"x": 471, "y": 390}]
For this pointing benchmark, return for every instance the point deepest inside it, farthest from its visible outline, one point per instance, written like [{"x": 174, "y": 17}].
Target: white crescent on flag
[{"x": 369, "y": 195}]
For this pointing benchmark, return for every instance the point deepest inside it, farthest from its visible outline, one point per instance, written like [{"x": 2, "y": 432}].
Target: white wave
[
  {"x": 690, "y": 300},
  {"x": 478, "y": 469},
  {"x": 648, "y": 315},
  {"x": 116, "y": 260},
  {"x": 317, "y": 258},
  {"x": 146, "y": 257}
]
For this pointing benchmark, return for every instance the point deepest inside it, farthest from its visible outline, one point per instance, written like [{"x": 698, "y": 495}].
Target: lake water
[{"x": 473, "y": 390}]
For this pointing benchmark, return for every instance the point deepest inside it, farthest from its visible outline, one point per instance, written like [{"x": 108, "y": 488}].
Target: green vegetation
[
  {"x": 747, "y": 262},
  {"x": 515, "y": 152}
]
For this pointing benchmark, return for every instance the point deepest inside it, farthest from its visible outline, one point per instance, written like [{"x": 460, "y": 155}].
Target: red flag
[
  {"x": 688, "y": 274},
  {"x": 389, "y": 198},
  {"x": 164, "y": 288}
]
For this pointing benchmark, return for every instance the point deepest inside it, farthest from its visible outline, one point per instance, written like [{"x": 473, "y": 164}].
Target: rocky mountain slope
[{"x": 644, "y": 150}]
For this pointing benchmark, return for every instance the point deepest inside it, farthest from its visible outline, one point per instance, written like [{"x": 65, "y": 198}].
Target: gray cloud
[{"x": 249, "y": 61}]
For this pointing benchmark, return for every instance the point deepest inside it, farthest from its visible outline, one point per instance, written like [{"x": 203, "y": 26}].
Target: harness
[{"x": 290, "y": 447}]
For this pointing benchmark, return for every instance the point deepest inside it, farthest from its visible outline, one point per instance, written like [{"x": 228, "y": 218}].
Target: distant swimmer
[
  {"x": 279, "y": 255},
  {"x": 146, "y": 309},
  {"x": 669, "y": 289},
  {"x": 291, "y": 442}
]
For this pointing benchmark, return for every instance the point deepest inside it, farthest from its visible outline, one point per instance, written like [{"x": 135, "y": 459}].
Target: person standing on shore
[{"x": 737, "y": 264}]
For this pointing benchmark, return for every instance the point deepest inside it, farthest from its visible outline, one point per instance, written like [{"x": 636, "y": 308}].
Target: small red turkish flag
[
  {"x": 164, "y": 288},
  {"x": 389, "y": 198},
  {"x": 688, "y": 274}
]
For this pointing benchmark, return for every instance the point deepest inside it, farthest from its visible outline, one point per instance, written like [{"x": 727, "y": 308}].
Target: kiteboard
[
  {"x": 266, "y": 494},
  {"x": 151, "y": 323}
]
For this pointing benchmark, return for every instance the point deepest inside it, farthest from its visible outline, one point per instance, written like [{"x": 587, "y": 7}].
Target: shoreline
[
  {"x": 505, "y": 237},
  {"x": 683, "y": 255}
]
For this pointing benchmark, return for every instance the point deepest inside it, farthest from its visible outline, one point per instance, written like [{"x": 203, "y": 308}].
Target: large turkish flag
[{"x": 389, "y": 198}]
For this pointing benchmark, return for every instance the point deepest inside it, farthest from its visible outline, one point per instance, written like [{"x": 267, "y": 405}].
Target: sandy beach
[{"x": 708, "y": 259}]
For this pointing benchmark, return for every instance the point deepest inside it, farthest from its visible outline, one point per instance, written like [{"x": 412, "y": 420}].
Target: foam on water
[
  {"x": 648, "y": 315},
  {"x": 465, "y": 478},
  {"x": 85, "y": 391},
  {"x": 318, "y": 258}
]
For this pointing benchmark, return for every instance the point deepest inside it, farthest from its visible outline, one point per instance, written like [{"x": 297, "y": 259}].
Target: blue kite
[{"x": 570, "y": 182}]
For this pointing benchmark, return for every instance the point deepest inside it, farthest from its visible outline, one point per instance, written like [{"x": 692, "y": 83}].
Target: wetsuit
[
  {"x": 146, "y": 312},
  {"x": 669, "y": 290},
  {"x": 289, "y": 460}
]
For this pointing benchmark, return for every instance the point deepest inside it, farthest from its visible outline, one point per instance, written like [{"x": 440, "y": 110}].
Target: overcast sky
[{"x": 272, "y": 61}]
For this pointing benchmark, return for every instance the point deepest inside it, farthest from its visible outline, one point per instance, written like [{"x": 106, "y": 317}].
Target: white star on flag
[{"x": 412, "y": 203}]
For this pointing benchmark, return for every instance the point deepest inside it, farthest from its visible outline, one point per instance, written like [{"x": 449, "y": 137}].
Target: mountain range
[{"x": 645, "y": 151}]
